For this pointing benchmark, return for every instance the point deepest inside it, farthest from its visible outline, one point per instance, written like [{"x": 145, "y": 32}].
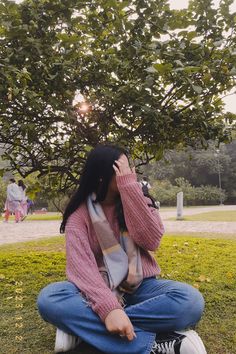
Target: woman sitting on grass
[{"x": 113, "y": 299}]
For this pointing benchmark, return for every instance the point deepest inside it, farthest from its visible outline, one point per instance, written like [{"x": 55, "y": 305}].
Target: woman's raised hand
[
  {"x": 118, "y": 322},
  {"x": 122, "y": 166}
]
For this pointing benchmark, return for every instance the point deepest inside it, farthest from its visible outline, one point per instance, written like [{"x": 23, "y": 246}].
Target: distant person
[
  {"x": 145, "y": 188},
  {"x": 145, "y": 185},
  {"x": 13, "y": 201},
  {"x": 30, "y": 206},
  {"x": 113, "y": 298},
  {"x": 23, "y": 203}
]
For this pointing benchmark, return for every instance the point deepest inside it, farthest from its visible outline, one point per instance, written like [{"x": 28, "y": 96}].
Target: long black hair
[{"x": 96, "y": 176}]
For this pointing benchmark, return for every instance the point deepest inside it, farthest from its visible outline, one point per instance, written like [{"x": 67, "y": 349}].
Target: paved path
[
  {"x": 199, "y": 226},
  {"x": 31, "y": 230},
  {"x": 166, "y": 214},
  {"x": 221, "y": 227},
  {"x": 26, "y": 231}
]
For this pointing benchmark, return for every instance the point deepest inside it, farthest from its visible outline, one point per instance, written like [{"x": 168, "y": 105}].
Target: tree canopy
[
  {"x": 198, "y": 166},
  {"x": 151, "y": 77}
]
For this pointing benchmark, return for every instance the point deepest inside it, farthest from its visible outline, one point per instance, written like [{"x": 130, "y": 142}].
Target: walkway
[
  {"x": 199, "y": 226},
  {"x": 31, "y": 230},
  {"x": 28, "y": 230}
]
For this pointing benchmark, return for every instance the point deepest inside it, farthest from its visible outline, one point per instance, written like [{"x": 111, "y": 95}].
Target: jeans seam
[
  {"x": 136, "y": 306},
  {"x": 150, "y": 343}
]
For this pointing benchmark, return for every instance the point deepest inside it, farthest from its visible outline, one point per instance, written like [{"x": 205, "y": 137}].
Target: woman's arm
[
  {"x": 143, "y": 222},
  {"x": 82, "y": 270}
]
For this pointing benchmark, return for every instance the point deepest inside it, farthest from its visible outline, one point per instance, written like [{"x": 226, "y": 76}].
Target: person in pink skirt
[
  {"x": 13, "y": 201},
  {"x": 23, "y": 204}
]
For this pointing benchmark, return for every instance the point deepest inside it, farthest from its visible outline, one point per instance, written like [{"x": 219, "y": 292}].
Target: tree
[
  {"x": 199, "y": 167},
  {"x": 151, "y": 77}
]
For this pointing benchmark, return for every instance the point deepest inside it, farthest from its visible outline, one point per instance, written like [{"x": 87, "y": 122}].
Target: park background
[{"x": 157, "y": 77}]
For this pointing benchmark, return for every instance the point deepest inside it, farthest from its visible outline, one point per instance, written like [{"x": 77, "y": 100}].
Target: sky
[{"x": 230, "y": 101}]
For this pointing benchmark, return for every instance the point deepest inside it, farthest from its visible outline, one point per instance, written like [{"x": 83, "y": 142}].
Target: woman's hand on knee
[{"x": 118, "y": 322}]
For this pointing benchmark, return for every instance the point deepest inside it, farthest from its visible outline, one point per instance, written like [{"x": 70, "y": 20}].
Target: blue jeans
[{"x": 156, "y": 306}]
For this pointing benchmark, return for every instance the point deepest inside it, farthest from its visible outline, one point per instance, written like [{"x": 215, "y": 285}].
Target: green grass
[
  {"x": 211, "y": 216},
  {"x": 208, "y": 264},
  {"x": 167, "y": 208},
  {"x": 48, "y": 216},
  {"x": 39, "y": 217},
  {"x": 208, "y": 235}
]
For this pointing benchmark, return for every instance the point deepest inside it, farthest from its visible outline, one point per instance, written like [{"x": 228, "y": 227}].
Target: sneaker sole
[
  {"x": 65, "y": 342},
  {"x": 195, "y": 340}
]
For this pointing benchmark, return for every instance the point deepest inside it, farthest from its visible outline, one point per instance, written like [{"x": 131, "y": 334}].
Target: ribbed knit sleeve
[
  {"x": 143, "y": 222},
  {"x": 82, "y": 269}
]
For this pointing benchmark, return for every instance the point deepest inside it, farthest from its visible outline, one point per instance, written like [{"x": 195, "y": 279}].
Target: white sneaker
[
  {"x": 178, "y": 342},
  {"x": 65, "y": 341}
]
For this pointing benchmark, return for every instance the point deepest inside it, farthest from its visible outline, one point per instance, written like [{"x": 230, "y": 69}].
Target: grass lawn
[
  {"x": 170, "y": 208},
  {"x": 211, "y": 216},
  {"x": 39, "y": 217},
  {"x": 27, "y": 267},
  {"x": 208, "y": 235}
]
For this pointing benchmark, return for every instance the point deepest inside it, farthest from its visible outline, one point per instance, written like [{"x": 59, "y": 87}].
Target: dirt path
[{"x": 31, "y": 230}]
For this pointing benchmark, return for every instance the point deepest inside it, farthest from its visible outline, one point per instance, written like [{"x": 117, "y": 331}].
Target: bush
[
  {"x": 166, "y": 193},
  {"x": 206, "y": 195}
]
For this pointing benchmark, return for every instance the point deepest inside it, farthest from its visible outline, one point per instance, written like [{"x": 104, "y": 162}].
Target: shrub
[{"x": 166, "y": 193}]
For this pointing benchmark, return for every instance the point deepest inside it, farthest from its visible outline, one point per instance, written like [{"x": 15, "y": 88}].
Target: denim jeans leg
[
  {"x": 164, "y": 305},
  {"x": 62, "y": 305}
]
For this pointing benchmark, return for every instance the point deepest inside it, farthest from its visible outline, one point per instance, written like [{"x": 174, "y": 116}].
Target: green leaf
[
  {"x": 191, "y": 35},
  {"x": 192, "y": 69},
  {"x": 163, "y": 68}
]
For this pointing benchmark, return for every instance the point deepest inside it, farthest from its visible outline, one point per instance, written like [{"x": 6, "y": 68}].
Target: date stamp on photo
[{"x": 18, "y": 297}]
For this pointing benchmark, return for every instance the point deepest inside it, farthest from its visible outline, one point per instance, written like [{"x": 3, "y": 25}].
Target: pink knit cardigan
[{"x": 84, "y": 255}]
